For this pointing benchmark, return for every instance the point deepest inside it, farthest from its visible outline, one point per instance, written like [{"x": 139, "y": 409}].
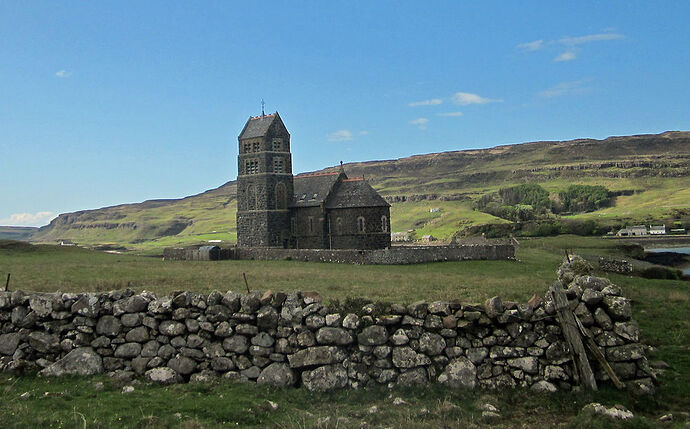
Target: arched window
[
  {"x": 339, "y": 226},
  {"x": 384, "y": 223},
  {"x": 281, "y": 196},
  {"x": 251, "y": 197},
  {"x": 361, "y": 225}
]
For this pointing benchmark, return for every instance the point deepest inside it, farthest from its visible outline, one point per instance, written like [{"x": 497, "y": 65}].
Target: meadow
[{"x": 661, "y": 307}]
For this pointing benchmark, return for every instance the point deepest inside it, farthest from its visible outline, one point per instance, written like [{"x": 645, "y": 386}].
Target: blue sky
[{"x": 103, "y": 103}]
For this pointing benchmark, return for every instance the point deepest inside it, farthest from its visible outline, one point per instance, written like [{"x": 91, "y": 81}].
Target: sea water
[{"x": 683, "y": 250}]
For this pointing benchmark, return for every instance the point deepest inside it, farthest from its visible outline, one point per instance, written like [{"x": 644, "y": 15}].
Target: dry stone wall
[{"x": 294, "y": 340}]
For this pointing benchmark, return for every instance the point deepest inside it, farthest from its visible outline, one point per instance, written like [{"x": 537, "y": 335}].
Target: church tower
[{"x": 264, "y": 183}]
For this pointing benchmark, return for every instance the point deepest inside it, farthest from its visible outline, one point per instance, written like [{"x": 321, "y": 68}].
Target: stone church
[{"x": 308, "y": 211}]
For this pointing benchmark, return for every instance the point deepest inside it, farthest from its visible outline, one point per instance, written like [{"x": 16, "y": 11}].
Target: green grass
[
  {"x": 660, "y": 307},
  {"x": 453, "y": 216},
  {"x": 70, "y": 402}
]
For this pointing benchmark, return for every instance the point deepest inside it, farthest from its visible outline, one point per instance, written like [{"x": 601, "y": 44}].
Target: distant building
[
  {"x": 309, "y": 211},
  {"x": 65, "y": 243},
  {"x": 633, "y": 231},
  {"x": 400, "y": 237},
  {"x": 657, "y": 229},
  {"x": 428, "y": 239},
  {"x": 434, "y": 210}
]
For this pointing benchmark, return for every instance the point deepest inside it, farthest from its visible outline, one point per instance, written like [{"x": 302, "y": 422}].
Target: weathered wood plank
[
  {"x": 599, "y": 355},
  {"x": 571, "y": 332}
]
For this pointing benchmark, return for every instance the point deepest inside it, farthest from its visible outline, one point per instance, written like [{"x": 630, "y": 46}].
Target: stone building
[{"x": 308, "y": 211}]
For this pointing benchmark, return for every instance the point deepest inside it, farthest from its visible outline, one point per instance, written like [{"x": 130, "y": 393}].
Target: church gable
[{"x": 352, "y": 193}]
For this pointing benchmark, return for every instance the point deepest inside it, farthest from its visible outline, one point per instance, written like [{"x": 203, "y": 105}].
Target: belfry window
[
  {"x": 247, "y": 147},
  {"x": 384, "y": 224},
  {"x": 256, "y": 146},
  {"x": 251, "y": 167},
  {"x": 361, "y": 225},
  {"x": 277, "y": 145},
  {"x": 278, "y": 165}
]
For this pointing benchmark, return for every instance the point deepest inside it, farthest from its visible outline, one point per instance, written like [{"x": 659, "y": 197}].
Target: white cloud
[
  {"x": 364, "y": 133},
  {"x": 572, "y": 41},
  {"x": 432, "y": 102},
  {"x": 566, "y": 56},
  {"x": 565, "y": 88},
  {"x": 450, "y": 114},
  {"x": 63, "y": 74},
  {"x": 28, "y": 219},
  {"x": 340, "y": 136},
  {"x": 420, "y": 123},
  {"x": 465, "y": 98},
  {"x": 531, "y": 46}
]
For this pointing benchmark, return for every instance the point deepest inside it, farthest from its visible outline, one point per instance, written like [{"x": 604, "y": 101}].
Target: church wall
[
  {"x": 346, "y": 235},
  {"x": 304, "y": 239}
]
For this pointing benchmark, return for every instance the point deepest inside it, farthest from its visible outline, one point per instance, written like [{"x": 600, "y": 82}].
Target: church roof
[
  {"x": 313, "y": 189},
  {"x": 257, "y": 126},
  {"x": 355, "y": 193}
]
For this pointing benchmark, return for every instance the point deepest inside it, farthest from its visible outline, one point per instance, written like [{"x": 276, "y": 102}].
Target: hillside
[
  {"x": 17, "y": 232},
  {"x": 650, "y": 173}
]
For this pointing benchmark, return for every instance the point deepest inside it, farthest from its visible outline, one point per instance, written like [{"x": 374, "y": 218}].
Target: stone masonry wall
[
  {"x": 294, "y": 340},
  {"x": 393, "y": 256}
]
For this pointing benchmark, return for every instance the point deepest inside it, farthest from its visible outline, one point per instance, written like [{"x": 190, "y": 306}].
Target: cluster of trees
[
  {"x": 584, "y": 198},
  {"x": 529, "y": 201}
]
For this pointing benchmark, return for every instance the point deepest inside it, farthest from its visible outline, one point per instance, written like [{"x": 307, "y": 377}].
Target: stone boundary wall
[
  {"x": 294, "y": 340},
  {"x": 401, "y": 255}
]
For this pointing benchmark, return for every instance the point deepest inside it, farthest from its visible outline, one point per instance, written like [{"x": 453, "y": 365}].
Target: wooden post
[
  {"x": 7, "y": 283},
  {"x": 599, "y": 355},
  {"x": 245, "y": 281},
  {"x": 571, "y": 333}
]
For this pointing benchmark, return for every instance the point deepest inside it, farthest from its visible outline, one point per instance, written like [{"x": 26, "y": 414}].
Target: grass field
[{"x": 660, "y": 306}]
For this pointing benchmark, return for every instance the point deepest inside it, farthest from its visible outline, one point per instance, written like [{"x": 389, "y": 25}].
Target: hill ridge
[{"x": 617, "y": 161}]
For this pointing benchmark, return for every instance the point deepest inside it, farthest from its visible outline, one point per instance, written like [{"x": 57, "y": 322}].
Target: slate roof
[
  {"x": 257, "y": 126},
  {"x": 355, "y": 193},
  {"x": 313, "y": 189}
]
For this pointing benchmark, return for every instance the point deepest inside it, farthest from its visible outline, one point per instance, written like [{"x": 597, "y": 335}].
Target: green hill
[
  {"x": 17, "y": 232},
  {"x": 650, "y": 174}
]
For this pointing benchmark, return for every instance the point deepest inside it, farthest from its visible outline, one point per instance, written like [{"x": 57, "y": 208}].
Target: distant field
[{"x": 661, "y": 307}]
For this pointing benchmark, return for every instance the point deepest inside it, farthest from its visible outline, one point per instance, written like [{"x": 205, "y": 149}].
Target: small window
[
  {"x": 311, "y": 224},
  {"x": 384, "y": 224},
  {"x": 277, "y": 145},
  {"x": 339, "y": 226},
  {"x": 293, "y": 225},
  {"x": 247, "y": 147},
  {"x": 256, "y": 146},
  {"x": 278, "y": 165},
  {"x": 361, "y": 225}
]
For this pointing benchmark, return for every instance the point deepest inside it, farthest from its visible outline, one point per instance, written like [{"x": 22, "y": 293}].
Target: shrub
[{"x": 662, "y": 273}]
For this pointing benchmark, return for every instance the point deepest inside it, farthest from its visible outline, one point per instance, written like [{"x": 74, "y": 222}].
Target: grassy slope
[
  {"x": 461, "y": 176},
  {"x": 660, "y": 306}
]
